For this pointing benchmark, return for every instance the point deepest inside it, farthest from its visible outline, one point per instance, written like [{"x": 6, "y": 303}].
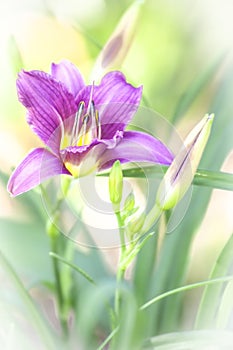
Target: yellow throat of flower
[{"x": 86, "y": 128}]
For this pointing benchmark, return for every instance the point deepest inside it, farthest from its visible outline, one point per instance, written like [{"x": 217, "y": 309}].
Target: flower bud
[
  {"x": 117, "y": 47},
  {"x": 129, "y": 203},
  {"x": 180, "y": 174},
  {"x": 134, "y": 225},
  {"x": 116, "y": 183}
]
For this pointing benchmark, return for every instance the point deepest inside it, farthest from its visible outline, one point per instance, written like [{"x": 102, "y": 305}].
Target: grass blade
[
  {"x": 195, "y": 89},
  {"x": 185, "y": 288},
  {"x": 41, "y": 325},
  {"x": 74, "y": 267},
  {"x": 210, "y": 299},
  {"x": 191, "y": 340}
]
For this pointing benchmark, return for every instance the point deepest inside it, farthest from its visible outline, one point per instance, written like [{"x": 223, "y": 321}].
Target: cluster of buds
[{"x": 173, "y": 186}]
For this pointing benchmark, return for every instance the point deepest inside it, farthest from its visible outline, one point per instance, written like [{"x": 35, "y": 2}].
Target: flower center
[{"x": 86, "y": 126}]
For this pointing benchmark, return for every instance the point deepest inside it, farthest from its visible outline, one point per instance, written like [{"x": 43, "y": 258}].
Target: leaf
[
  {"x": 211, "y": 296},
  {"x": 206, "y": 178},
  {"x": 185, "y": 288},
  {"x": 74, "y": 267},
  {"x": 195, "y": 89},
  {"x": 25, "y": 245},
  {"x": 15, "y": 55},
  {"x": 35, "y": 317},
  {"x": 171, "y": 269},
  {"x": 224, "y": 314},
  {"x": 192, "y": 340},
  {"x": 30, "y": 200}
]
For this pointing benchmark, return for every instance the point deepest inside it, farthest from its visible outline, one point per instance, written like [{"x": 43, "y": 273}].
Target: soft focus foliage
[{"x": 182, "y": 55}]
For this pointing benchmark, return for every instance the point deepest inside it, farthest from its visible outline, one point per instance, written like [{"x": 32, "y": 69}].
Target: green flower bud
[
  {"x": 180, "y": 174},
  {"x": 135, "y": 225},
  {"x": 116, "y": 183},
  {"x": 129, "y": 203}
]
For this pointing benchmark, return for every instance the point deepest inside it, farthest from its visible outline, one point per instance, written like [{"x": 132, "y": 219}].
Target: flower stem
[
  {"x": 59, "y": 292},
  {"x": 121, "y": 230},
  {"x": 119, "y": 278},
  {"x": 54, "y": 233},
  {"x": 120, "y": 270}
]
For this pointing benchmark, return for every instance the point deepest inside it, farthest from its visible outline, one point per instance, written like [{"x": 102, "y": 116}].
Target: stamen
[
  {"x": 84, "y": 134},
  {"x": 98, "y": 126},
  {"x": 91, "y": 98},
  {"x": 92, "y": 109},
  {"x": 93, "y": 121},
  {"x": 75, "y": 130},
  {"x": 86, "y": 127}
]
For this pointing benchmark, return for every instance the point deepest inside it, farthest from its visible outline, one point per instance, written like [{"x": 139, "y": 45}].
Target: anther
[
  {"x": 75, "y": 130},
  {"x": 98, "y": 126}
]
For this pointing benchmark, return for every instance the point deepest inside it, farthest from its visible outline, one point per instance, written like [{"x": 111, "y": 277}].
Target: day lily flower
[
  {"x": 82, "y": 126},
  {"x": 180, "y": 174}
]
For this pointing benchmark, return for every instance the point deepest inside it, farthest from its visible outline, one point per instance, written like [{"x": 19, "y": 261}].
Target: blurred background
[{"x": 178, "y": 47}]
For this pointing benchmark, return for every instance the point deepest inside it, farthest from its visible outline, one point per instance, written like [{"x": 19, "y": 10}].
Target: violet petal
[
  {"x": 76, "y": 154},
  {"x": 136, "y": 146},
  {"x": 67, "y": 73},
  {"x": 48, "y": 103},
  {"x": 116, "y": 100},
  {"x": 38, "y": 166}
]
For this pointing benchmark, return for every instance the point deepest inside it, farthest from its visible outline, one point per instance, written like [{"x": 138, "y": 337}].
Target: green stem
[
  {"x": 53, "y": 233},
  {"x": 120, "y": 271},
  {"x": 107, "y": 340},
  {"x": 121, "y": 230},
  {"x": 120, "y": 276},
  {"x": 134, "y": 250},
  {"x": 59, "y": 292}
]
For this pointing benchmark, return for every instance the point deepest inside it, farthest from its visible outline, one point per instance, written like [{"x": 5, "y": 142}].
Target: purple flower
[{"x": 82, "y": 126}]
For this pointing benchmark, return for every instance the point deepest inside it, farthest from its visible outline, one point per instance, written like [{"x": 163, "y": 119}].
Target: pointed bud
[
  {"x": 134, "y": 225},
  {"x": 180, "y": 174},
  {"x": 129, "y": 207},
  {"x": 129, "y": 203},
  {"x": 116, "y": 183},
  {"x": 118, "y": 45}
]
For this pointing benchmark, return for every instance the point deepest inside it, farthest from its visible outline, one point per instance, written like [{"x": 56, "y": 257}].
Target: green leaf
[
  {"x": 225, "y": 308},
  {"x": 25, "y": 245},
  {"x": 211, "y": 296},
  {"x": 171, "y": 269},
  {"x": 141, "y": 276},
  {"x": 40, "y": 324},
  {"x": 108, "y": 339},
  {"x": 195, "y": 89},
  {"x": 30, "y": 200},
  {"x": 185, "y": 288},
  {"x": 212, "y": 179},
  {"x": 191, "y": 340},
  {"x": 15, "y": 55},
  {"x": 74, "y": 267}
]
